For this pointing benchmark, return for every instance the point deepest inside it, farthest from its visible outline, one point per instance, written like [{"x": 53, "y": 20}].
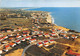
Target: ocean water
[{"x": 68, "y": 17}]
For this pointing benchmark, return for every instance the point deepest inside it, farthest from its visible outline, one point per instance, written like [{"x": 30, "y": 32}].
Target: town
[{"x": 34, "y": 28}]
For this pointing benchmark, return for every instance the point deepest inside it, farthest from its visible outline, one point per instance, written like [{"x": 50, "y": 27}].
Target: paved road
[
  {"x": 26, "y": 49},
  {"x": 33, "y": 44}
]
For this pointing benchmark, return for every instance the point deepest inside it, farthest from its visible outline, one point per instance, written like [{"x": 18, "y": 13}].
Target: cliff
[{"x": 49, "y": 19}]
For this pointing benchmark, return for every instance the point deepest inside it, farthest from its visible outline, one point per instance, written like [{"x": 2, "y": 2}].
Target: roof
[
  {"x": 39, "y": 34},
  {"x": 7, "y": 46},
  {"x": 46, "y": 34},
  {"x": 4, "y": 36},
  {"x": 28, "y": 37},
  {"x": 23, "y": 34},
  {"x": 53, "y": 30},
  {"x": 11, "y": 43},
  {"x": 17, "y": 36},
  {"x": 18, "y": 41},
  {"x": 22, "y": 38},
  {"x": 40, "y": 43},
  {"x": 51, "y": 40},
  {"x": 73, "y": 36},
  {"x": 45, "y": 41},
  {"x": 53, "y": 33},
  {"x": 1, "y": 38}
]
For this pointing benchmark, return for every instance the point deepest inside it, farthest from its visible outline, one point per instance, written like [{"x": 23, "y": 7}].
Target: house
[
  {"x": 28, "y": 37},
  {"x": 19, "y": 29},
  {"x": 32, "y": 40},
  {"x": 9, "y": 34},
  {"x": 1, "y": 51},
  {"x": 40, "y": 44},
  {"x": 18, "y": 36},
  {"x": 15, "y": 30},
  {"x": 1, "y": 39},
  {"x": 41, "y": 32},
  {"x": 24, "y": 35},
  {"x": 46, "y": 35},
  {"x": 12, "y": 44},
  {"x": 1, "y": 35},
  {"x": 23, "y": 39},
  {"x": 45, "y": 42},
  {"x": 7, "y": 46},
  {"x": 63, "y": 31},
  {"x": 53, "y": 34},
  {"x": 5, "y": 37},
  {"x": 59, "y": 30},
  {"x": 66, "y": 37},
  {"x": 40, "y": 35},
  {"x": 27, "y": 34},
  {"x": 8, "y": 30},
  {"x": 62, "y": 34},
  {"x": 46, "y": 45},
  {"x": 3, "y": 31},
  {"x": 51, "y": 41},
  {"x": 53, "y": 31},
  {"x": 36, "y": 31},
  {"x": 33, "y": 27},
  {"x": 74, "y": 37},
  {"x": 18, "y": 41},
  {"x": 51, "y": 37},
  {"x": 5, "y": 49}
]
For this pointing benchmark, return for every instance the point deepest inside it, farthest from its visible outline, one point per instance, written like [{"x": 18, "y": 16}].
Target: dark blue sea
[{"x": 68, "y": 17}]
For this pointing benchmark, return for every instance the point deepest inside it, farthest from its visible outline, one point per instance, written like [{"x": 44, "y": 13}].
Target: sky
[{"x": 39, "y": 3}]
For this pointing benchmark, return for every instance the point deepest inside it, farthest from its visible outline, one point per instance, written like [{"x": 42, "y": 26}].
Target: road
[{"x": 33, "y": 44}]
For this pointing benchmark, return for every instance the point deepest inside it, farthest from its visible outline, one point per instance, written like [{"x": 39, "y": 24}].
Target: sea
[{"x": 68, "y": 17}]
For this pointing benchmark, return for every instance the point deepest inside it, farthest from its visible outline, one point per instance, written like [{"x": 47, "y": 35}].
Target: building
[
  {"x": 40, "y": 35},
  {"x": 51, "y": 37},
  {"x": 18, "y": 36},
  {"x": 9, "y": 34},
  {"x": 40, "y": 44},
  {"x": 1, "y": 35},
  {"x": 12, "y": 44},
  {"x": 1, "y": 51},
  {"x": 18, "y": 41},
  {"x": 51, "y": 41},
  {"x": 15, "y": 30},
  {"x": 53, "y": 31},
  {"x": 1, "y": 39},
  {"x": 19, "y": 29},
  {"x": 32, "y": 40},
  {"x": 45, "y": 42},
  {"x": 23, "y": 39},
  {"x": 46, "y": 45},
  {"x": 5, "y": 37},
  {"x": 28, "y": 37},
  {"x": 24, "y": 35},
  {"x": 73, "y": 36},
  {"x": 62, "y": 34},
  {"x": 66, "y": 37},
  {"x": 8, "y": 30},
  {"x": 46, "y": 35},
  {"x": 53, "y": 34}
]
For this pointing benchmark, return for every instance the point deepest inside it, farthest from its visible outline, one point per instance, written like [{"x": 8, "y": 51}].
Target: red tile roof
[
  {"x": 11, "y": 43},
  {"x": 7, "y": 46}
]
